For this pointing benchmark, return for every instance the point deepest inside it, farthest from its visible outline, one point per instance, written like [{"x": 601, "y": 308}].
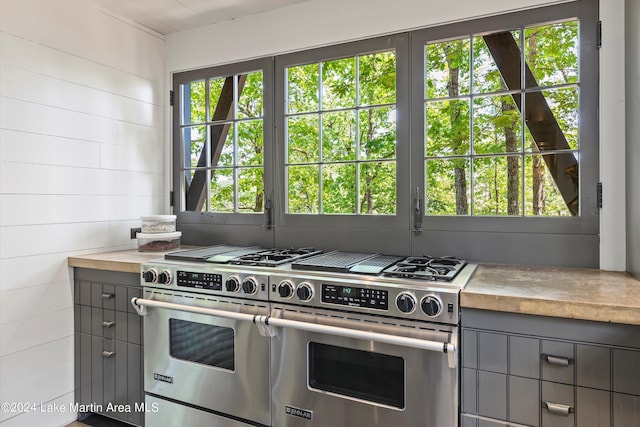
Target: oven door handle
[
  {"x": 437, "y": 346},
  {"x": 141, "y": 305}
]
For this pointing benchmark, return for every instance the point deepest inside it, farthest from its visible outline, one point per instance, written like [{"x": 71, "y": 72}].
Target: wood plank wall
[{"x": 81, "y": 150}]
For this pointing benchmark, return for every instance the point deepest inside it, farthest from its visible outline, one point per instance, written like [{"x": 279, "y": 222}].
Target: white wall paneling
[
  {"x": 32, "y": 375},
  {"x": 632, "y": 45},
  {"x": 81, "y": 158},
  {"x": 319, "y": 23},
  {"x": 612, "y": 137}
]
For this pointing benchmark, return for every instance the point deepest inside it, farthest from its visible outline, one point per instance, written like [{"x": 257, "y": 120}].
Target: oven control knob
[
  {"x": 165, "y": 278},
  {"x": 304, "y": 291},
  {"x": 150, "y": 276},
  {"x": 249, "y": 286},
  {"x": 232, "y": 284},
  {"x": 405, "y": 302},
  {"x": 431, "y": 306},
  {"x": 285, "y": 289}
]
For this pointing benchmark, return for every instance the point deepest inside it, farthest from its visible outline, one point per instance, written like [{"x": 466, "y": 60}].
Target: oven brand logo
[
  {"x": 297, "y": 412},
  {"x": 163, "y": 378}
]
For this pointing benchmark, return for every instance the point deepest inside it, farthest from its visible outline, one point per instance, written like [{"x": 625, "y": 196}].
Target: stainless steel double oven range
[{"x": 246, "y": 336}]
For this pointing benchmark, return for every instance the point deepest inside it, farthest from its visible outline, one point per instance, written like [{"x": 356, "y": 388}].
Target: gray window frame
[
  {"x": 565, "y": 241},
  {"x": 230, "y": 218},
  {"x": 399, "y": 43},
  {"x": 523, "y": 239}
]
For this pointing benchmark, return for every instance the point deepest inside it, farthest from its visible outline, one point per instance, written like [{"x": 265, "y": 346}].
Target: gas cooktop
[
  {"x": 443, "y": 269},
  {"x": 416, "y": 287}
]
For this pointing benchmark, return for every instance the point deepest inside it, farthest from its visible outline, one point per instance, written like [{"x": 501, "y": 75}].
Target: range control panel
[
  {"x": 355, "y": 297},
  {"x": 417, "y": 300},
  {"x": 200, "y": 280},
  {"x": 215, "y": 280}
]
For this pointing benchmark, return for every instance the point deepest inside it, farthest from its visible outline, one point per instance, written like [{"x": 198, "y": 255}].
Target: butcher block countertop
[
  {"x": 128, "y": 261},
  {"x": 572, "y": 293},
  {"x": 545, "y": 291}
]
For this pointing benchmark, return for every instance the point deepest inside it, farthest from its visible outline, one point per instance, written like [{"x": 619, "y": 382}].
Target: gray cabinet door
[
  {"x": 492, "y": 395},
  {"x": 468, "y": 421},
  {"x": 593, "y": 366},
  {"x": 626, "y": 410},
  {"x": 83, "y": 394},
  {"x": 492, "y": 352},
  {"x": 524, "y": 357},
  {"x": 108, "y": 345},
  {"x": 626, "y": 371},
  {"x": 135, "y": 395},
  {"x": 470, "y": 349},
  {"x": 524, "y": 401},
  {"x": 469, "y": 390},
  {"x": 593, "y": 407}
]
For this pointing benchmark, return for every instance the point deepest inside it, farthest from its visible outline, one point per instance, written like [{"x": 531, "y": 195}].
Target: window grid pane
[
  {"x": 229, "y": 143},
  {"x": 512, "y": 104},
  {"x": 334, "y": 142}
]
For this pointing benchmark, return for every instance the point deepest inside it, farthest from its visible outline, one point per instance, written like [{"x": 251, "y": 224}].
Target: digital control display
[
  {"x": 355, "y": 297},
  {"x": 192, "y": 279}
]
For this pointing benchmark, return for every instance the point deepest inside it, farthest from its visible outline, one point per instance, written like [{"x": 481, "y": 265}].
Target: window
[
  {"x": 501, "y": 120},
  {"x": 341, "y": 136},
  {"x": 476, "y": 139},
  {"x": 222, "y": 142}
]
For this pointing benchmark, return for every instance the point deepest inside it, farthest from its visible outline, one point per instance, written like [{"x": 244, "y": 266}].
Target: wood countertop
[
  {"x": 127, "y": 261},
  {"x": 573, "y": 293}
]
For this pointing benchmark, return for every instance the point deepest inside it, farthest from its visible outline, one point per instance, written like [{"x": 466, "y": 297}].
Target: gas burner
[
  {"x": 274, "y": 257},
  {"x": 426, "y": 268}
]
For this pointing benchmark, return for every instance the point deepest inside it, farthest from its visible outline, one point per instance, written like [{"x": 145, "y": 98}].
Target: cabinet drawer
[
  {"x": 558, "y": 405},
  {"x": 558, "y": 361},
  {"x": 111, "y": 297},
  {"x": 117, "y": 325}
]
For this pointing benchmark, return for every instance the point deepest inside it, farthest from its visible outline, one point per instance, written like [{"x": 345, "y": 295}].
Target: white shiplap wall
[{"x": 81, "y": 158}]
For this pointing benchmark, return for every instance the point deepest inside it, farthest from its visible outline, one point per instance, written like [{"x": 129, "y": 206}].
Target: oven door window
[
  {"x": 201, "y": 343},
  {"x": 373, "y": 377}
]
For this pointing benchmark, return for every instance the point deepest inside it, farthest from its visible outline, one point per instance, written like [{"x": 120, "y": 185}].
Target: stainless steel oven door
[
  {"x": 214, "y": 363},
  {"x": 329, "y": 380}
]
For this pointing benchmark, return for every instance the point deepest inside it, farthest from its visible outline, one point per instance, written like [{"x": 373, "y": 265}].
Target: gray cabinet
[
  {"x": 108, "y": 345},
  {"x": 548, "y": 372}
]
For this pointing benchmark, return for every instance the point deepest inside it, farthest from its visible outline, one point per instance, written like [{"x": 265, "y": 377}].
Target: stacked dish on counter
[{"x": 158, "y": 233}]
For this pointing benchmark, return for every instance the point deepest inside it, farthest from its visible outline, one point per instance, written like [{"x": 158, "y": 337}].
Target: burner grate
[
  {"x": 274, "y": 257},
  {"x": 426, "y": 268}
]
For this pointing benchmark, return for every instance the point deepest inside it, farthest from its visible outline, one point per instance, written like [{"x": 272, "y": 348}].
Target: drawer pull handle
[
  {"x": 108, "y": 324},
  {"x": 108, "y": 354},
  {"x": 107, "y": 296},
  {"x": 557, "y": 360},
  {"x": 558, "y": 408}
]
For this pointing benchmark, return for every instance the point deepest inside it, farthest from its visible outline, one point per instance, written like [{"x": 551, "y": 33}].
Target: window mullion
[
  {"x": 320, "y": 139},
  {"x": 471, "y": 126},
  {"x": 356, "y": 134}
]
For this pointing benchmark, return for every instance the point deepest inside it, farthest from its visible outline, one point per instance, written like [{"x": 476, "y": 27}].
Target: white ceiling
[{"x": 170, "y": 16}]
